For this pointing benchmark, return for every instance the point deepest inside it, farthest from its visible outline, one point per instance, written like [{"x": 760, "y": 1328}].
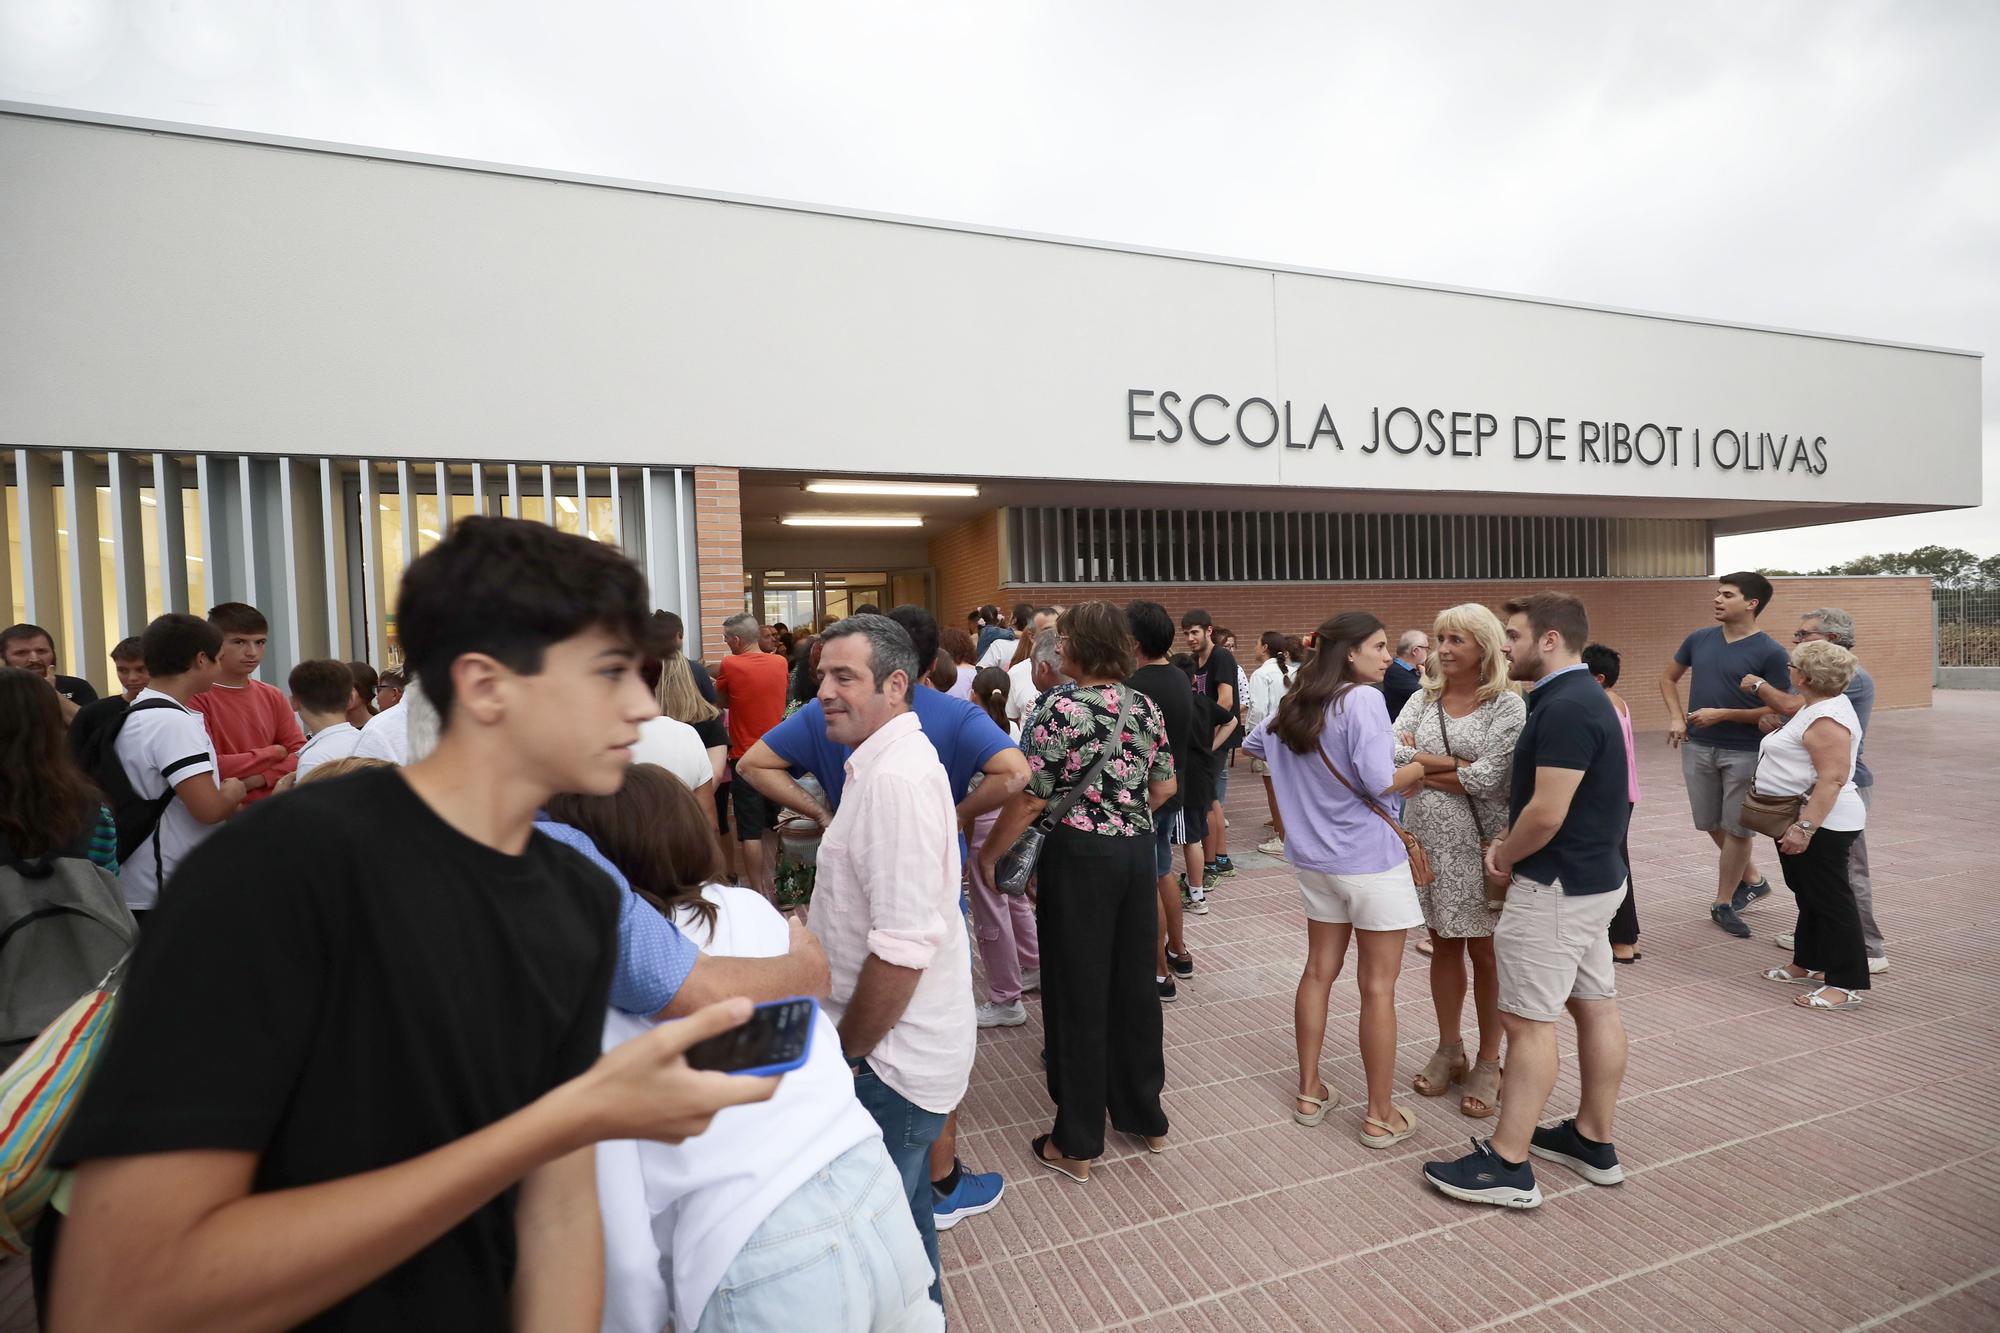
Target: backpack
[
  {"x": 63, "y": 924},
  {"x": 93, "y": 739}
]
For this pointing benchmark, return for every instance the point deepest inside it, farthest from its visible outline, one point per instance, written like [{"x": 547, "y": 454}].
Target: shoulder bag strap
[
  {"x": 1367, "y": 800},
  {"x": 1053, "y": 813},
  {"x": 1471, "y": 804}
]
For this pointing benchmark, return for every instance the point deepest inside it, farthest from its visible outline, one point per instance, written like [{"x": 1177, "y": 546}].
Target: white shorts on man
[{"x": 684, "y": 1224}]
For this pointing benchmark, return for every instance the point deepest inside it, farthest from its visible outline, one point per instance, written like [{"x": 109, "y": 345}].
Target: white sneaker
[
  {"x": 1879, "y": 965},
  {"x": 1031, "y": 978},
  {"x": 1002, "y": 1015},
  {"x": 1783, "y": 941},
  {"x": 1272, "y": 847}
]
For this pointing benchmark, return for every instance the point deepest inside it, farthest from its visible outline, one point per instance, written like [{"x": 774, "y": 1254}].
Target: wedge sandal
[
  {"x": 1446, "y": 1067},
  {"x": 1318, "y": 1114},
  {"x": 1389, "y": 1135},
  {"x": 1062, "y": 1166},
  {"x": 1482, "y": 1089}
]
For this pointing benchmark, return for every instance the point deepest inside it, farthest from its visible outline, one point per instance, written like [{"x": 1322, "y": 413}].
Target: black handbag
[{"x": 1017, "y": 866}]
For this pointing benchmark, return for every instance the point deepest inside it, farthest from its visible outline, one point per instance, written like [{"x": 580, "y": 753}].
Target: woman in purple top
[{"x": 1352, "y": 869}]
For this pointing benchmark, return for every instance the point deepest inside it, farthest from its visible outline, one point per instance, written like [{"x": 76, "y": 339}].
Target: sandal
[
  {"x": 1447, "y": 1066},
  {"x": 1390, "y": 1136},
  {"x": 1425, "y": 947},
  {"x": 1482, "y": 1088},
  {"x": 1065, "y": 1166},
  {"x": 1154, "y": 1143},
  {"x": 1636, "y": 956},
  {"x": 1809, "y": 979},
  {"x": 1318, "y": 1113},
  {"x": 1816, "y": 999}
]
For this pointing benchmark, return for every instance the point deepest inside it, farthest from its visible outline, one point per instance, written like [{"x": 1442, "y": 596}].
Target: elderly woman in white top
[{"x": 1812, "y": 756}]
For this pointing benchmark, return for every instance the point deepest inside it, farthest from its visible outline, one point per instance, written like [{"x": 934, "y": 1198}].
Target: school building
[{"x": 236, "y": 367}]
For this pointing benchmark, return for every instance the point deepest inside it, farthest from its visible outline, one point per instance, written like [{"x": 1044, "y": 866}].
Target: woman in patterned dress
[
  {"x": 1462, "y": 727},
  {"x": 1096, "y": 909}
]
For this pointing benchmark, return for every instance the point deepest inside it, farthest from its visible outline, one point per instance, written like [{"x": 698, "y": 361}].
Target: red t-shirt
[
  {"x": 245, "y": 721},
  {"x": 757, "y": 684}
]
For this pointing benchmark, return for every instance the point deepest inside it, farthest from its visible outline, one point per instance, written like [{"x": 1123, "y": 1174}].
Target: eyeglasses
[{"x": 1802, "y": 635}]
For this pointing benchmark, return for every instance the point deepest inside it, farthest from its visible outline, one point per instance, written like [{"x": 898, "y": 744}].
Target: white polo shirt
[
  {"x": 326, "y": 745},
  {"x": 159, "y": 749}
]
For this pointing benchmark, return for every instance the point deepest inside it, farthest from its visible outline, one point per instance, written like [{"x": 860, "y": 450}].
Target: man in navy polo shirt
[
  {"x": 1565, "y": 877},
  {"x": 968, "y": 743}
]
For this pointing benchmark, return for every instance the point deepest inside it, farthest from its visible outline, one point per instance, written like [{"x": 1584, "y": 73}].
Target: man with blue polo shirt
[
  {"x": 967, "y": 743},
  {"x": 1565, "y": 877}
]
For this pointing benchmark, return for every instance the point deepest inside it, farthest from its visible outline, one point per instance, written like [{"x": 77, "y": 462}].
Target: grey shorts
[
  {"x": 1717, "y": 781},
  {"x": 1551, "y": 948}
]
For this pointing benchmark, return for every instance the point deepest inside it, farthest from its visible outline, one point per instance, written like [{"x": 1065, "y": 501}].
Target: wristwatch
[{"x": 1805, "y": 824}]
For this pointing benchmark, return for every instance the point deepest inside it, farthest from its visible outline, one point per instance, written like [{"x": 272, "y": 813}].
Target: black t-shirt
[
  {"x": 1571, "y": 724},
  {"x": 1209, "y": 677},
  {"x": 702, "y": 680},
  {"x": 76, "y": 689},
  {"x": 1168, "y": 688},
  {"x": 339, "y": 981}
]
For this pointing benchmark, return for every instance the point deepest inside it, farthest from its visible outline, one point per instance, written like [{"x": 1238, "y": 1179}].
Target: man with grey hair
[
  {"x": 1836, "y": 626},
  {"x": 1405, "y": 675},
  {"x": 751, "y": 685},
  {"x": 885, "y": 906},
  {"x": 1023, "y": 690}
]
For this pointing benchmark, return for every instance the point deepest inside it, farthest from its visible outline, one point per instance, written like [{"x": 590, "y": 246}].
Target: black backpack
[{"x": 93, "y": 739}]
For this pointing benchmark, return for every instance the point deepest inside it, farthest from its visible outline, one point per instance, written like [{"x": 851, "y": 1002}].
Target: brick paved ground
[{"x": 1771, "y": 1181}]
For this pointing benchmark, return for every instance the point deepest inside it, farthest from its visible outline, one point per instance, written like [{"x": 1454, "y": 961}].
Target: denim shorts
[
  {"x": 1166, "y": 838},
  {"x": 842, "y": 1246}
]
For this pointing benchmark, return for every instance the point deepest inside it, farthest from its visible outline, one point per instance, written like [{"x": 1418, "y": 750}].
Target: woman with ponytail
[{"x": 1003, "y": 924}]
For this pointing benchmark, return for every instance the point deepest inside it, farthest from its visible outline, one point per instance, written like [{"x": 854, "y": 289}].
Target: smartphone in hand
[{"x": 776, "y": 1039}]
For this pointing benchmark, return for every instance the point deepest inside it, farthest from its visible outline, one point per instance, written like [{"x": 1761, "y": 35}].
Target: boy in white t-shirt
[
  {"x": 322, "y": 691},
  {"x": 163, "y": 745}
]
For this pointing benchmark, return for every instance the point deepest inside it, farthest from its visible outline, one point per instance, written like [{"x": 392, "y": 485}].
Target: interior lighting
[
  {"x": 848, "y": 521},
  {"x": 928, "y": 490}
]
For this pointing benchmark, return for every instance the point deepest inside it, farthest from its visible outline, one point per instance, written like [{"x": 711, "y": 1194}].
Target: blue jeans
[
  {"x": 840, "y": 1246},
  {"x": 908, "y": 1131}
]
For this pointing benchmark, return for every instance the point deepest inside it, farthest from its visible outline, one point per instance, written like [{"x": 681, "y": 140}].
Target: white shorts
[{"x": 1384, "y": 900}]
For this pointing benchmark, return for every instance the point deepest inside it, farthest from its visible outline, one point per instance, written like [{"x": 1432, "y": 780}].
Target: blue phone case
[{"x": 805, "y": 1054}]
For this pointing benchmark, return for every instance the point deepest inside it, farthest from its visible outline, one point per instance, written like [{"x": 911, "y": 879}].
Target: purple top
[{"x": 1327, "y": 828}]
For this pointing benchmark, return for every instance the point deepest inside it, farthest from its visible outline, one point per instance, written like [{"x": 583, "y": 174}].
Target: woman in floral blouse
[{"x": 1095, "y": 905}]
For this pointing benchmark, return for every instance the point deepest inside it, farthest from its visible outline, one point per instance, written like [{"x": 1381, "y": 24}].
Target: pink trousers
[{"x": 1005, "y": 926}]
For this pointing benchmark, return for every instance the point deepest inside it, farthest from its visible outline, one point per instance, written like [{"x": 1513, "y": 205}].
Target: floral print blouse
[{"x": 1063, "y": 736}]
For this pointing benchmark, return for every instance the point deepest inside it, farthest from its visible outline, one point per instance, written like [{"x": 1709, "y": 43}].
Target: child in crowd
[
  {"x": 322, "y": 693},
  {"x": 723, "y": 1232},
  {"x": 164, "y": 749},
  {"x": 366, "y": 682},
  {"x": 328, "y": 1098},
  {"x": 1004, "y": 925},
  {"x": 128, "y": 659},
  {"x": 256, "y": 737}
]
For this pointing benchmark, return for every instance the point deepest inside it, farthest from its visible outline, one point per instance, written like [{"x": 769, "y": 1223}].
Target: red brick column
[
  {"x": 718, "y": 536},
  {"x": 967, "y": 561}
]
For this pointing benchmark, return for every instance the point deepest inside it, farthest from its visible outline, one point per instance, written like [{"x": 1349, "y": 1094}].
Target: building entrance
[{"x": 814, "y": 597}]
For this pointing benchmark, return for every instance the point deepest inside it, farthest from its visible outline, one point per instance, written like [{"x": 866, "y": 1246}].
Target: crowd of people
[{"x": 407, "y": 1045}]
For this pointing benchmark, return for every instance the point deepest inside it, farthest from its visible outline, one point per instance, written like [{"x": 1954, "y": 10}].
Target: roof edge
[{"x": 34, "y": 111}]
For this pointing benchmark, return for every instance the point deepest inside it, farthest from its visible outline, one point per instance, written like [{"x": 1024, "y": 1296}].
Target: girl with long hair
[
  {"x": 1331, "y": 757},
  {"x": 1461, "y": 726},
  {"x": 1268, "y": 683},
  {"x": 734, "y": 1228},
  {"x": 48, "y": 807}
]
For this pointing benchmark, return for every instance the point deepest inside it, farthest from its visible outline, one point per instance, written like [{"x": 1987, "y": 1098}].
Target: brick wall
[
  {"x": 967, "y": 562},
  {"x": 1644, "y": 619},
  {"x": 718, "y": 535}
]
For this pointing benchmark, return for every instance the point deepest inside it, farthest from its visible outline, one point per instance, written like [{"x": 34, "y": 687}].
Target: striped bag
[{"x": 37, "y": 1094}]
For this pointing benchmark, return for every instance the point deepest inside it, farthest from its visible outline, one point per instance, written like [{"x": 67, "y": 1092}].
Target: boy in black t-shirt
[
  {"x": 353, "y": 1081},
  {"x": 1213, "y": 670}
]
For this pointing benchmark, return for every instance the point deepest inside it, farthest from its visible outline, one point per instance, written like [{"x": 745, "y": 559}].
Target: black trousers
[
  {"x": 1097, "y": 913},
  {"x": 1828, "y": 936},
  {"x": 1625, "y": 926}
]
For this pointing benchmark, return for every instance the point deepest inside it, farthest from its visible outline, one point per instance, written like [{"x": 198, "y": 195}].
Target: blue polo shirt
[
  {"x": 960, "y": 731},
  {"x": 1571, "y": 724}
]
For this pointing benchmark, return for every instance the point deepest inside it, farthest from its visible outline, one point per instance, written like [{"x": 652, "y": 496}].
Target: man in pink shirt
[
  {"x": 885, "y": 906},
  {"x": 256, "y": 735}
]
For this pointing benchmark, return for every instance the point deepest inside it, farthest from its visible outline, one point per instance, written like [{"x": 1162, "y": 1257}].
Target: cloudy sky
[{"x": 1824, "y": 165}]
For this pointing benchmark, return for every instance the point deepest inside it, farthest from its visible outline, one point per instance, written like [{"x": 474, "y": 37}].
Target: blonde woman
[
  {"x": 1461, "y": 726},
  {"x": 681, "y": 700}
]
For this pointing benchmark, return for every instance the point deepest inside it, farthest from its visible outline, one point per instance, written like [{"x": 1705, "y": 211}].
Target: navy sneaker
[
  {"x": 1561, "y": 1143},
  {"x": 1723, "y": 915},
  {"x": 975, "y": 1194},
  {"x": 1168, "y": 991},
  {"x": 1222, "y": 865},
  {"x": 1481, "y": 1177},
  {"x": 1747, "y": 894},
  {"x": 1180, "y": 964}
]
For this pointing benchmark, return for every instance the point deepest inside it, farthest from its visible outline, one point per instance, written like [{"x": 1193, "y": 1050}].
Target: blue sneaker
[
  {"x": 1481, "y": 1177},
  {"x": 1748, "y": 893},
  {"x": 975, "y": 1194},
  {"x": 1561, "y": 1143}
]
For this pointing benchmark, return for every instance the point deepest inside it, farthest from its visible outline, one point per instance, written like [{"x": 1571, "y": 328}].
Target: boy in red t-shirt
[
  {"x": 751, "y": 684},
  {"x": 256, "y": 735}
]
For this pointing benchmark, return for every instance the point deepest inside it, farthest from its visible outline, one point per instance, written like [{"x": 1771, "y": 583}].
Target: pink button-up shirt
[{"x": 887, "y": 884}]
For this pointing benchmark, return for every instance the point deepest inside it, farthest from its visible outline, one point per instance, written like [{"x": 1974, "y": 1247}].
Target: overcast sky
[{"x": 1821, "y": 165}]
